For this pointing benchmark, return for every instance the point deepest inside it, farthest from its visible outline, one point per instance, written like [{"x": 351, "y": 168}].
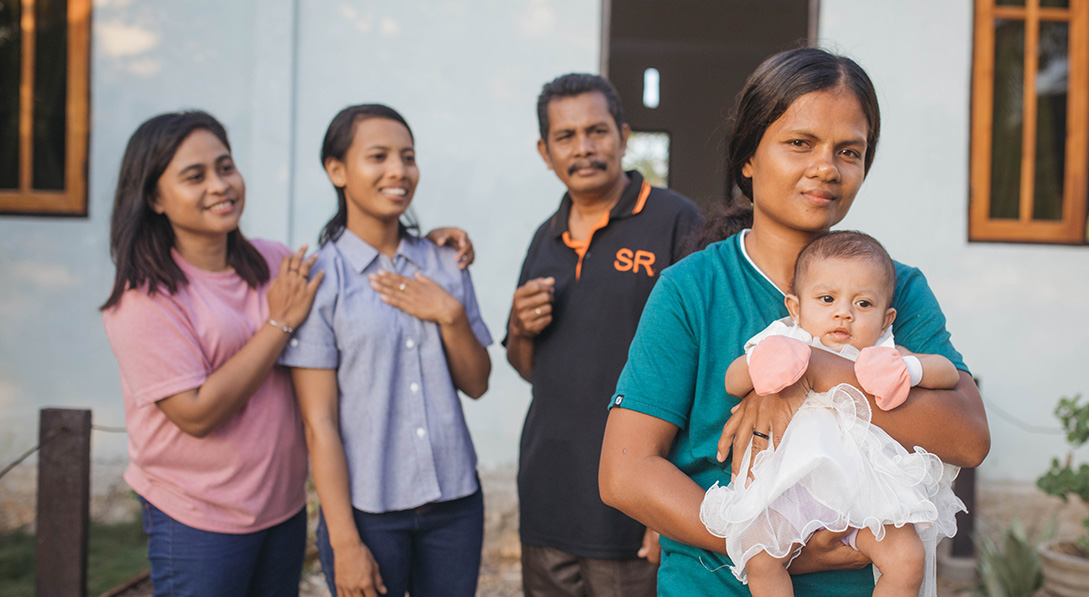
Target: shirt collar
[
  {"x": 741, "y": 244},
  {"x": 360, "y": 254},
  {"x": 630, "y": 203}
]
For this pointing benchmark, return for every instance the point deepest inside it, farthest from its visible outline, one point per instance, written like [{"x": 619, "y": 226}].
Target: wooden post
[{"x": 64, "y": 490}]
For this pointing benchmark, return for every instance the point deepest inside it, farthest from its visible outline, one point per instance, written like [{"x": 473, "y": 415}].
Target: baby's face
[{"x": 843, "y": 301}]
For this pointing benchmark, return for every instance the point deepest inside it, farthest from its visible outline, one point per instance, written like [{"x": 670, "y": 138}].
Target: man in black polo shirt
[{"x": 584, "y": 282}]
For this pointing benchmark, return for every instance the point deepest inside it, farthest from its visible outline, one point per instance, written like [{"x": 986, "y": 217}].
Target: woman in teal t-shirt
[{"x": 804, "y": 136}]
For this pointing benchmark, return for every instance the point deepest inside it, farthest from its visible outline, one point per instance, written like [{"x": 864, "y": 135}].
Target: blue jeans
[
  {"x": 433, "y": 550},
  {"x": 187, "y": 561}
]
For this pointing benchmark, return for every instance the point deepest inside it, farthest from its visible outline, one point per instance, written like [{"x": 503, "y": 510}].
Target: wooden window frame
[
  {"x": 72, "y": 201},
  {"x": 1072, "y": 228}
]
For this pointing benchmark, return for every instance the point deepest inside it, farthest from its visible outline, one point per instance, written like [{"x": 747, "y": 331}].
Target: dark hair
[
  {"x": 572, "y": 85},
  {"x": 140, "y": 239},
  {"x": 845, "y": 244},
  {"x": 338, "y": 138},
  {"x": 767, "y": 94}
]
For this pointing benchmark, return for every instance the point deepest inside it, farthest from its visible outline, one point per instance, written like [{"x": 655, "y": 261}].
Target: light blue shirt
[{"x": 401, "y": 422}]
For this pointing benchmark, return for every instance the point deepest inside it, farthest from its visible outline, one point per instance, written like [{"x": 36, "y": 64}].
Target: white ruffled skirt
[{"x": 832, "y": 470}]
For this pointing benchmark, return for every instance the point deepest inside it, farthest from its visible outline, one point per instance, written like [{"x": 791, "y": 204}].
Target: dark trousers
[
  {"x": 430, "y": 551},
  {"x": 550, "y": 572}
]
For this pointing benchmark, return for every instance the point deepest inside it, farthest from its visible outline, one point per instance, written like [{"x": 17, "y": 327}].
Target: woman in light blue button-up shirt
[{"x": 394, "y": 333}]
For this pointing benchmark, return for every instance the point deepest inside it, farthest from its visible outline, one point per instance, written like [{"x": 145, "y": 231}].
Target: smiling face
[
  {"x": 378, "y": 173},
  {"x": 843, "y": 301},
  {"x": 584, "y": 147},
  {"x": 201, "y": 192},
  {"x": 809, "y": 163}
]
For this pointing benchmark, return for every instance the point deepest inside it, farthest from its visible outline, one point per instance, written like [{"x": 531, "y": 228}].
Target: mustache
[{"x": 586, "y": 164}]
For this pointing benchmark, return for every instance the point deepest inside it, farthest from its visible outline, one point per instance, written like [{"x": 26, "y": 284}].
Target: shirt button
[
  {"x": 415, "y": 387},
  {"x": 410, "y": 343},
  {"x": 293, "y": 343},
  {"x": 420, "y": 432}
]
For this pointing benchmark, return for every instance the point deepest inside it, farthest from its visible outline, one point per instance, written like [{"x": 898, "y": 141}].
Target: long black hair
[
  {"x": 338, "y": 138},
  {"x": 768, "y": 93},
  {"x": 140, "y": 239}
]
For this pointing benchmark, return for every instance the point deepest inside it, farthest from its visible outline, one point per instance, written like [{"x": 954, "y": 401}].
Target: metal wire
[{"x": 27, "y": 454}]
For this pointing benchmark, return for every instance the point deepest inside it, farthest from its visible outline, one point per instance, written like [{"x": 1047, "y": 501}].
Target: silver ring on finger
[
  {"x": 402, "y": 287},
  {"x": 537, "y": 311}
]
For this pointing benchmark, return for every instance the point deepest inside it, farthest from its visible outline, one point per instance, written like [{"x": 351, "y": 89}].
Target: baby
[{"x": 832, "y": 468}]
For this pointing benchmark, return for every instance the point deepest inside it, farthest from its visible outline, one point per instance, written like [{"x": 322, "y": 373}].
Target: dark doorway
[{"x": 702, "y": 51}]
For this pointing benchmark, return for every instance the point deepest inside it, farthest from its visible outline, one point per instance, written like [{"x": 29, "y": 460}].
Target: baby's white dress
[{"x": 832, "y": 470}]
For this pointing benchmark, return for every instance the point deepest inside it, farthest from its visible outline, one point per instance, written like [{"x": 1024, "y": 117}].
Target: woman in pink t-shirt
[{"x": 197, "y": 316}]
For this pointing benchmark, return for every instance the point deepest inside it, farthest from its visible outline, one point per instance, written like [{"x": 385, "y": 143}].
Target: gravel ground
[{"x": 501, "y": 569}]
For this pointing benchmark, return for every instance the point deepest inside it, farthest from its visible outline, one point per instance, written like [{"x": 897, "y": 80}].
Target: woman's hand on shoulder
[
  {"x": 455, "y": 238},
  {"x": 291, "y": 293},
  {"x": 758, "y": 416},
  {"x": 418, "y": 296},
  {"x": 827, "y": 551},
  {"x": 356, "y": 572}
]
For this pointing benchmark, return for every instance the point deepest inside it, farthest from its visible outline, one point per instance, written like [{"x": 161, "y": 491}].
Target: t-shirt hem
[
  {"x": 147, "y": 490},
  {"x": 584, "y": 551},
  {"x": 436, "y": 499},
  {"x": 637, "y": 404},
  {"x": 306, "y": 362},
  {"x": 169, "y": 388}
]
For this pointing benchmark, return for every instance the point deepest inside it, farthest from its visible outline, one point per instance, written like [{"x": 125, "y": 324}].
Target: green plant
[
  {"x": 1063, "y": 479},
  {"x": 1010, "y": 567}
]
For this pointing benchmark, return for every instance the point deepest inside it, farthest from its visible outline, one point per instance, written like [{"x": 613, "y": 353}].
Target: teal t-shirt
[{"x": 694, "y": 325}]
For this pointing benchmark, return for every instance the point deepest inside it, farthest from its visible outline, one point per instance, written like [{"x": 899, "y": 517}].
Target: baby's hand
[
  {"x": 778, "y": 362},
  {"x": 881, "y": 371}
]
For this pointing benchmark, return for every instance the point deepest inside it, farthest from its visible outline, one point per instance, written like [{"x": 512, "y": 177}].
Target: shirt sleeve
[
  {"x": 472, "y": 310},
  {"x": 157, "y": 347},
  {"x": 523, "y": 276},
  {"x": 313, "y": 345},
  {"x": 659, "y": 378},
  {"x": 920, "y": 323}
]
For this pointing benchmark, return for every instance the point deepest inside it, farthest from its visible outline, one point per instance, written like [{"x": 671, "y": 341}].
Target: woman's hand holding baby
[{"x": 757, "y": 416}]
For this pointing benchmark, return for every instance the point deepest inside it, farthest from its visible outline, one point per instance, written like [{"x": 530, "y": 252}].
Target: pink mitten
[
  {"x": 777, "y": 362},
  {"x": 881, "y": 372}
]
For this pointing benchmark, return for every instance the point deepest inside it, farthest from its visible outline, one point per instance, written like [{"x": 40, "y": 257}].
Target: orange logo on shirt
[{"x": 630, "y": 261}]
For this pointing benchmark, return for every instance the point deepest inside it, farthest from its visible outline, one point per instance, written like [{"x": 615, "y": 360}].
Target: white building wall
[
  {"x": 464, "y": 74},
  {"x": 1016, "y": 311}
]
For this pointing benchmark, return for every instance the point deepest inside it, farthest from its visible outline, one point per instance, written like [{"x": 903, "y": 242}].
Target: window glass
[
  {"x": 1007, "y": 120},
  {"x": 1051, "y": 87},
  {"x": 10, "y": 72},
  {"x": 1055, "y": 3},
  {"x": 649, "y": 154},
  {"x": 50, "y": 93}
]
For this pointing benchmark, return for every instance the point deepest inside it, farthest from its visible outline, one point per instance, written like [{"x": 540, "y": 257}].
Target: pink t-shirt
[{"x": 250, "y": 473}]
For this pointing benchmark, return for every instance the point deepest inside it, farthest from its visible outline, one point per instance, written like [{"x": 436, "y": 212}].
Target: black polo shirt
[{"x": 599, "y": 297}]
